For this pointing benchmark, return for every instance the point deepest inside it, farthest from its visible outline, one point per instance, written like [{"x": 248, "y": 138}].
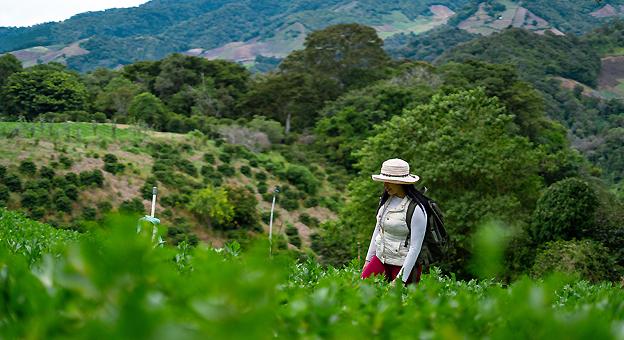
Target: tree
[
  {"x": 565, "y": 211},
  {"x": 211, "y": 205},
  {"x": 349, "y": 54},
  {"x": 465, "y": 149},
  {"x": 34, "y": 92},
  {"x": 291, "y": 98},
  {"x": 245, "y": 208},
  {"x": 116, "y": 97},
  {"x": 147, "y": 108},
  {"x": 9, "y": 64}
]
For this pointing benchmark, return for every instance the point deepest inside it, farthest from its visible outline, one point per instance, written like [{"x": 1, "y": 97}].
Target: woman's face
[{"x": 394, "y": 189}]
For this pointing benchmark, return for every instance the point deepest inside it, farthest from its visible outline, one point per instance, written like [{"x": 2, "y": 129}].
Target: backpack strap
[{"x": 408, "y": 218}]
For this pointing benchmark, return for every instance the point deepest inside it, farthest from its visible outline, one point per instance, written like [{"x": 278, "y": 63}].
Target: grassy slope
[{"x": 86, "y": 144}]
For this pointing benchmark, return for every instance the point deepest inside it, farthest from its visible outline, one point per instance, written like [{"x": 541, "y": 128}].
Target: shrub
[
  {"x": 89, "y": 213},
  {"x": 65, "y": 161},
  {"x": 268, "y": 197},
  {"x": 226, "y": 170},
  {"x": 225, "y": 157},
  {"x": 146, "y": 189},
  {"x": 133, "y": 206},
  {"x": 178, "y": 234},
  {"x": 293, "y": 235},
  {"x": 63, "y": 203},
  {"x": 71, "y": 191},
  {"x": 272, "y": 128},
  {"x": 13, "y": 182},
  {"x": 585, "y": 258},
  {"x": 211, "y": 205},
  {"x": 262, "y": 187},
  {"x": 27, "y": 168},
  {"x": 3, "y": 171},
  {"x": 565, "y": 211},
  {"x": 111, "y": 165},
  {"x": 253, "y": 163},
  {"x": 94, "y": 177},
  {"x": 245, "y": 205},
  {"x": 289, "y": 204},
  {"x": 4, "y": 194},
  {"x": 311, "y": 202},
  {"x": 329, "y": 203},
  {"x": 308, "y": 220},
  {"x": 72, "y": 178},
  {"x": 187, "y": 167},
  {"x": 46, "y": 172},
  {"x": 266, "y": 216},
  {"x": 104, "y": 207},
  {"x": 32, "y": 198},
  {"x": 207, "y": 171},
  {"x": 110, "y": 158},
  {"x": 209, "y": 158},
  {"x": 245, "y": 170},
  {"x": 261, "y": 176},
  {"x": 302, "y": 178}
]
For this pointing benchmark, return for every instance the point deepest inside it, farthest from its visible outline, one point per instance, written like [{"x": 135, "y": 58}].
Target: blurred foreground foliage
[{"x": 115, "y": 284}]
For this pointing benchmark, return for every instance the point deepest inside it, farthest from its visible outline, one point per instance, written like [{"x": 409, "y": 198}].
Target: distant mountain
[{"x": 241, "y": 30}]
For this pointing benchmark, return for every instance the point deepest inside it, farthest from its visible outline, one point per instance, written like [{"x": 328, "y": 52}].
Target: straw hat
[{"x": 396, "y": 171}]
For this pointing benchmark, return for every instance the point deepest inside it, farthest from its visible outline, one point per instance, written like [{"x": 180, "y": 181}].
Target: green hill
[
  {"x": 244, "y": 30},
  {"x": 72, "y": 174}
]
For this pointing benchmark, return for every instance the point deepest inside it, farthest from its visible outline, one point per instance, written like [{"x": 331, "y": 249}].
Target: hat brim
[{"x": 410, "y": 179}]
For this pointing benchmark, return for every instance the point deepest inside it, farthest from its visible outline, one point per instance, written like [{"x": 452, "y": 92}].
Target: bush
[
  {"x": 211, "y": 205},
  {"x": 133, "y": 206},
  {"x": 89, "y": 213},
  {"x": 110, "y": 158},
  {"x": 245, "y": 170},
  {"x": 565, "y": 211},
  {"x": 293, "y": 235},
  {"x": 66, "y": 161},
  {"x": 111, "y": 165},
  {"x": 94, "y": 177},
  {"x": 585, "y": 258},
  {"x": 308, "y": 220},
  {"x": 209, "y": 158},
  {"x": 32, "y": 198},
  {"x": 207, "y": 171},
  {"x": 72, "y": 178},
  {"x": 226, "y": 170},
  {"x": 13, "y": 182},
  {"x": 262, "y": 187},
  {"x": 225, "y": 157},
  {"x": 37, "y": 213},
  {"x": 63, "y": 203},
  {"x": 311, "y": 202},
  {"x": 4, "y": 194},
  {"x": 289, "y": 204},
  {"x": 71, "y": 191},
  {"x": 3, "y": 171},
  {"x": 104, "y": 207},
  {"x": 46, "y": 172},
  {"x": 245, "y": 208},
  {"x": 146, "y": 189},
  {"x": 27, "y": 168},
  {"x": 187, "y": 167},
  {"x": 302, "y": 178},
  {"x": 261, "y": 176}
]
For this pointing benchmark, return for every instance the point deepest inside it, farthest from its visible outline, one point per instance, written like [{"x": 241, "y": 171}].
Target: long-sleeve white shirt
[{"x": 417, "y": 235}]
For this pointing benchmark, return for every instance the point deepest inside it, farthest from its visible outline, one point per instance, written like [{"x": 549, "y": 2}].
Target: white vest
[{"x": 390, "y": 241}]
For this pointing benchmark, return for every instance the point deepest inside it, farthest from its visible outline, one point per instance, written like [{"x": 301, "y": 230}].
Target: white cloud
[{"x": 31, "y": 12}]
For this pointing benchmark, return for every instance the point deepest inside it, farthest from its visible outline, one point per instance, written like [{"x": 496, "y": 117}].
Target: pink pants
[{"x": 375, "y": 267}]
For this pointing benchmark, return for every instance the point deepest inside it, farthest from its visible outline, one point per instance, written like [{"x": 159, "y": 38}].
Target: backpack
[{"x": 436, "y": 242}]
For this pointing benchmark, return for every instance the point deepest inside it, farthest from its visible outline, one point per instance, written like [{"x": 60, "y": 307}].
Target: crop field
[{"x": 116, "y": 284}]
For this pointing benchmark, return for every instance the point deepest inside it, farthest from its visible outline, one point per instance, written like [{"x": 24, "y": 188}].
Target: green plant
[
  {"x": 27, "y": 168},
  {"x": 293, "y": 235},
  {"x": 211, "y": 205}
]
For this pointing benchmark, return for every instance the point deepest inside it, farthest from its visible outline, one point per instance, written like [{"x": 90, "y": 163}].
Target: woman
[{"x": 389, "y": 253}]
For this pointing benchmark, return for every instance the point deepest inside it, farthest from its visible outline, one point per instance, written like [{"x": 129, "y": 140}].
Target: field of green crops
[{"x": 115, "y": 284}]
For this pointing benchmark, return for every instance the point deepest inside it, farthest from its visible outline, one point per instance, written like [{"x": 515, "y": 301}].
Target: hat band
[{"x": 387, "y": 175}]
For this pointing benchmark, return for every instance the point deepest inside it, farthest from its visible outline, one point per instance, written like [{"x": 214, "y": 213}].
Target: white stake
[
  {"x": 154, "y": 192},
  {"x": 271, "y": 221}
]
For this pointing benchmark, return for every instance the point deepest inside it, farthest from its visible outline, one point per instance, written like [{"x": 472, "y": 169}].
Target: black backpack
[{"x": 436, "y": 242}]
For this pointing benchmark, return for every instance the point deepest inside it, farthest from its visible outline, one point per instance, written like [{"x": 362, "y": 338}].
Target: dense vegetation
[
  {"x": 479, "y": 133},
  {"x": 115, "y": 284},
  {"x": 158, "y": 28}
]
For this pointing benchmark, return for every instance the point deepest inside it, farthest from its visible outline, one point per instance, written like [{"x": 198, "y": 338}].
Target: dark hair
[{"x": 410, "y": 190}]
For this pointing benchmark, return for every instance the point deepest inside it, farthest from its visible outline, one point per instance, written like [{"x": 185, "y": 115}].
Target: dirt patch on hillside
[
  {"x": 605, "y": 12},
  {"x": 87, "y": 164},
  {"x": 611, "y": 72}
]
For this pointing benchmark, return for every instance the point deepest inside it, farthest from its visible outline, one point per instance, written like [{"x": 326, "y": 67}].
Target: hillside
[
  {"x": 244, "y": 30},
  {"x": 72, "y": 174}
]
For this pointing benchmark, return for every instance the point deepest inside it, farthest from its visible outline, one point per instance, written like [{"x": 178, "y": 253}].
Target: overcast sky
[{"x": 31, "y": 12}]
